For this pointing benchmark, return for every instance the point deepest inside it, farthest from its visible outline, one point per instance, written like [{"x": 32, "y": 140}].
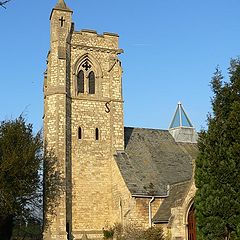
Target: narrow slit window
[
  {"x": 91, "y": 82},
  {"x": 80, "y": 82},
  {"x": 97, "y": 134},
  {"x": 79, "y": 133}
]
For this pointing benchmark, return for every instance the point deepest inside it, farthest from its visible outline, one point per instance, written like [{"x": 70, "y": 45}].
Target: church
[{"x": 112, "y": 174}]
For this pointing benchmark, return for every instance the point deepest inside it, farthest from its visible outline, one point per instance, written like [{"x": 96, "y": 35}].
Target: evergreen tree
[{"x": 217, "y": 173}]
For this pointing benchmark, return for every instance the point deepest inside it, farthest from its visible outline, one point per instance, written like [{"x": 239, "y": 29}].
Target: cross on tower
[
  {"x": 86, "y": 65},
  {"x": 62, "y": 20}
]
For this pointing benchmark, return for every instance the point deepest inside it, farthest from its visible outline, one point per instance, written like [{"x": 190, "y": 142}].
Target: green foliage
[
  {"x": 154, "y": 233},
  {"x": 217, "y": 172},
  {"x": 133, "y": 232},
  {"x": 108, "y": 233},
  {"x": 20, "y": 161},
  {"x": 31, "y": 230},
  {"x": 22, "y": 182}
]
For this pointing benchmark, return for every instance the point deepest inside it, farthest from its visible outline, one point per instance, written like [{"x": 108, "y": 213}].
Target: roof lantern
[
  {"x": 180, "y": 118},
  {"x": 181, "y": 127}
]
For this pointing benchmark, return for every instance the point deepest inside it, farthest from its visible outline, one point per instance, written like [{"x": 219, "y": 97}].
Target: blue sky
[{"x": 171, "y": 49}]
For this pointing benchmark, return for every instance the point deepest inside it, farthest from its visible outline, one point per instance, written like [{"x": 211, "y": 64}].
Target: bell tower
[
  {"x": 96, "y": 129},
  {"x": 83, "y": 124}
]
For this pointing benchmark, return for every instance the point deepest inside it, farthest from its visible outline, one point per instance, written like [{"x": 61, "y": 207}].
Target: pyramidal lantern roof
[{"x": 180, "y": 118}]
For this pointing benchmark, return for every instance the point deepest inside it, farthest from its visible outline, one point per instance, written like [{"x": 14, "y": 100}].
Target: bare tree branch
[{"x": 3, "y": 3}]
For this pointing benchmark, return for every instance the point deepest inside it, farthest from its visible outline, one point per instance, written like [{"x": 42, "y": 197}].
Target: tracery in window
[
  {"x": 86, "y": 78},
  {"x": 86, "y": 65}
]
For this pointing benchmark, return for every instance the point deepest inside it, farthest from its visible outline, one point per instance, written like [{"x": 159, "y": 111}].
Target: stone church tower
[{"x": 83, "y": 123}]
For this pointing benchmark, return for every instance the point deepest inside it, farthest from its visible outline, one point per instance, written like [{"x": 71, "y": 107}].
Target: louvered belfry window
[
  {"x": 80, "y": 82},
  {"x": 91, "y": 82}
]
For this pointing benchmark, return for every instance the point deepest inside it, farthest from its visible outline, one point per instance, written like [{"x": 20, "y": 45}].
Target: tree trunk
[
  {"x": 6, "y": 227},
  {"x": 228, "y": 235}
]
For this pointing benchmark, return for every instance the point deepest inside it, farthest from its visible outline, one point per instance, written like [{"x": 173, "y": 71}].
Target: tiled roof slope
[
  {"x": 176, "y": 196},
  {"x": 152, "y": 160}
]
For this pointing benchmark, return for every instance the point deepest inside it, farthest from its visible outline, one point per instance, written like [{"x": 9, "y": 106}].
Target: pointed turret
[
  {"x": 61, "y": 22},
  {"x": 181, "y": 127},
  {"x": 61, "y": 5}
]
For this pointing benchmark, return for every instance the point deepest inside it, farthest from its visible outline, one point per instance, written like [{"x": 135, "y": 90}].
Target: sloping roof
[
  {"x": 152, "y": 160},
  {"x": 176, "y": 196}
]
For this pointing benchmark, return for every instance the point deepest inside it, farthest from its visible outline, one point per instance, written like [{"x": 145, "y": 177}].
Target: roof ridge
[
  {"x": 180, "y": 183},
  {"x": 146, "y": 128}
]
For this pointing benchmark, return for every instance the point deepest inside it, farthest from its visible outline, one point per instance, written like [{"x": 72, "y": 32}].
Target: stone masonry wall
[
  {"x": 128, "y": 210},
  {"x": 92, "y": 198},
  {"x": 180, "y": 214},
  {"x": 55, "y": 117}
]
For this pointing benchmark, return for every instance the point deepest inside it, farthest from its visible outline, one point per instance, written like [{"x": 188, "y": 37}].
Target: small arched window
[
  {"x": 91, "y": 82},
  {"x": 80, "y": 82},
  {"x": 97, "y": 134},
  {"x": 79, "y": 133}
]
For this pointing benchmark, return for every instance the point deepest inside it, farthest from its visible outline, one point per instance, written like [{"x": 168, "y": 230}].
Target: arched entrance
[{"x": 192, "y": 224}]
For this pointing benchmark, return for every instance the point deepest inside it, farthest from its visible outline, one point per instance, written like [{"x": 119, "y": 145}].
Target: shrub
[
  {"x": 154, "y": 233},
  {"x": 108, "y": 233},
  {"x": 133, "y": 232}
]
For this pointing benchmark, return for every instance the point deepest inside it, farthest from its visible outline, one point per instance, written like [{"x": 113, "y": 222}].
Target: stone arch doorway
[{"x": 192, "y": 235}]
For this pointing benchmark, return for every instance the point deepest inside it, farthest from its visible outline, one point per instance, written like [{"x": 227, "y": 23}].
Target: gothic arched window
[
  {"x": 91, "y": 83},
  {"x": 80, "y": 82}
]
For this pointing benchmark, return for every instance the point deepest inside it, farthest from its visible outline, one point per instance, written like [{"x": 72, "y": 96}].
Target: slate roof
[
  {"x": 176, "y": 196},
  {"x": 152, "y": 161}
]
